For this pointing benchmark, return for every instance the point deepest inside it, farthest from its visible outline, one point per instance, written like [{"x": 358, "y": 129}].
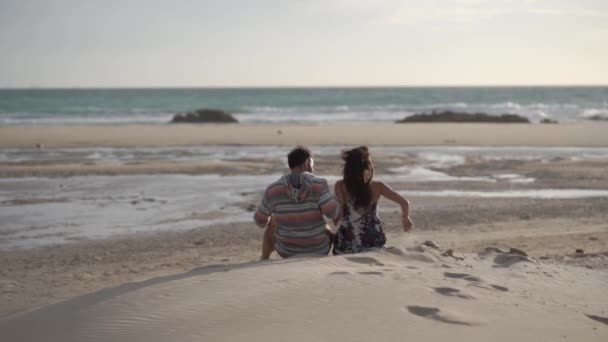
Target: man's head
[{"x": 300, "y": 159}]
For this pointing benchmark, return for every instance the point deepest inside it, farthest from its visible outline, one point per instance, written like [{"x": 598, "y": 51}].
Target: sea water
[{"x": 295, "y": 105}]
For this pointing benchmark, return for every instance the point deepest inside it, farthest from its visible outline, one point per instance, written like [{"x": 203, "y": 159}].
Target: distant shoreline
[{"x": 431, "y": 86}]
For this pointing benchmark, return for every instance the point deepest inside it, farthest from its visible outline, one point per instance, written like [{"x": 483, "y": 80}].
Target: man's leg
[{"x": 268, "y": 242}]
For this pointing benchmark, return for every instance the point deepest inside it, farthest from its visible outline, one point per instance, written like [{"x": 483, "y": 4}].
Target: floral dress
[{"x": 359, "y": 230}]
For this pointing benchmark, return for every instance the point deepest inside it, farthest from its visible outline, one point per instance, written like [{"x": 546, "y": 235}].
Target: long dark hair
[{"x": 357, "y": 175}]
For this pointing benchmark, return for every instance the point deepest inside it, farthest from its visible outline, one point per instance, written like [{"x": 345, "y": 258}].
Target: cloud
[{"x": 414, "y": 13}]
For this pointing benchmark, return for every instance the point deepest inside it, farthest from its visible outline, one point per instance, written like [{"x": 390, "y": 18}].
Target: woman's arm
[
  {"x": 340, "y": 196},
  {"x": 338, "y": 191},
  {"x": 389, "y": 193}
]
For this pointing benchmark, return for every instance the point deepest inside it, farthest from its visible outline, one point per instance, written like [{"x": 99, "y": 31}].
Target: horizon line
[{"x": 304, "y": 86}]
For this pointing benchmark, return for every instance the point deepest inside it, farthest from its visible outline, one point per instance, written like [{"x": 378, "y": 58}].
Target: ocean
[{"x": 294, "y": 105}]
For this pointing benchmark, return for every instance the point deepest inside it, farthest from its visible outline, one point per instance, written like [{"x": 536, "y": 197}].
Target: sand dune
[{"x": 395, "y": 294}]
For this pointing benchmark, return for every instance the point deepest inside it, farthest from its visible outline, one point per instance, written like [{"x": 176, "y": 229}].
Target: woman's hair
[{"x": 357, "y": 175}]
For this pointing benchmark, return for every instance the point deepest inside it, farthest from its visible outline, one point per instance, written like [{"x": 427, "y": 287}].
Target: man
[{"x": 297, "y": 203}]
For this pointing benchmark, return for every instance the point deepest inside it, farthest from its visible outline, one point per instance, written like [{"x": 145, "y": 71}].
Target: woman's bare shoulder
[
  {"x": 378, "y": 185},
  {"x": 377, "y": 189}
]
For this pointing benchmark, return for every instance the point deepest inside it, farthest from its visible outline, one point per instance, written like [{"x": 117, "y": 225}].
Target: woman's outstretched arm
[{"x": 389, "y": 193}]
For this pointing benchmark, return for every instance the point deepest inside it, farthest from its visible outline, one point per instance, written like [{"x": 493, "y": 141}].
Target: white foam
[
  {"x": 421, "y": 174},
  {"x": 514, "y": 178},
  {"x": 425, "y": 156},
  {"x": 441, "y": 160},
  {"x": 523, "y": 180},
  {"x": 591, "y": 112},
  {"x": 507, "y": 176}
]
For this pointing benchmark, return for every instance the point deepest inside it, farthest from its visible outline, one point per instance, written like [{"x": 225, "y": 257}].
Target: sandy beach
[
  {"x": 128, "y": 227},
  {"x": 574, "y": 134}
]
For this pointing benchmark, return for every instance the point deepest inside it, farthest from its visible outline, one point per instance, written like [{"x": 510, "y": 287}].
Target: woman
[{"x": 358, "y": 194}]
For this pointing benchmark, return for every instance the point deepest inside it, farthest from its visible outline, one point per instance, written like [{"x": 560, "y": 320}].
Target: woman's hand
[{"x": 408, "y": 225}]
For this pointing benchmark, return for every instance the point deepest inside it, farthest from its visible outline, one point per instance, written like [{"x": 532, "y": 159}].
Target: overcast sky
[{"x": 155, "y": 43}]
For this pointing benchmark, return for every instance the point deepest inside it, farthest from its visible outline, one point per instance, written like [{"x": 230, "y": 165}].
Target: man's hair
[{"x": 298, "y": 156}]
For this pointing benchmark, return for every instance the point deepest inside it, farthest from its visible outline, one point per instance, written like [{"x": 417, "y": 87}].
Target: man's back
[{"x": 298, "y": 203}]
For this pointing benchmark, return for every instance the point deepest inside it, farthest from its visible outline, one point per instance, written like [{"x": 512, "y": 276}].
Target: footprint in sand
[
  {"x": 500, "y": 288},
  {"x": 492, "y": 287},
  {"x": 452, "y": 292},
  {"x": 436, "y": 314},
  {"x": 365, "y": 260},
  {"x": 419, "y": 255},
  {"x": 464, "y": 276},
  {"x": 598, "y": 318},
  {"x": 475, "y": 280},
  {"x": 371, "y": 273},
  {"x": 508, "y": 260}
]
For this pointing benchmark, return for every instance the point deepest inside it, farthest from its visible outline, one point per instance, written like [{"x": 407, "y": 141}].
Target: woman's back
[
  {"x": 358, "y": 194},
  {"x": 360, "y": 228}
]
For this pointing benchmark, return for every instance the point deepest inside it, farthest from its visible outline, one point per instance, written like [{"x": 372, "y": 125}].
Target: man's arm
[{"x": 262, "y": 215}]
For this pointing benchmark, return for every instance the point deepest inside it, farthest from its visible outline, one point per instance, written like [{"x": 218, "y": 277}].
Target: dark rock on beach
[
  {"x": 517, "y": 251},
  {"x": 450, "y": 116},
  {"x": 548, "y": 121},
  {"x": 204, "y": 116},
  {"x": 598, "y": 118}
]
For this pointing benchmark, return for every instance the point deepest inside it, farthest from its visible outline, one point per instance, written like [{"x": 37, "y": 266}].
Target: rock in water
[
  {"x": 598, "y": 118},
  {"x": 204, "y": 116},
  {"x": 548, "y": 121},
  {"x": 451, "y": 116}
]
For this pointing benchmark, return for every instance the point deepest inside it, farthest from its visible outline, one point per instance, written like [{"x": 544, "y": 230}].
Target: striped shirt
[{"x": 298, "y": 213}]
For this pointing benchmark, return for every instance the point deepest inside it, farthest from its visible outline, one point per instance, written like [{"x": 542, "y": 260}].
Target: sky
[{"x": 250, "y": 43}]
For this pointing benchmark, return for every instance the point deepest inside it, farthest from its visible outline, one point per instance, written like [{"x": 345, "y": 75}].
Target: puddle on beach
[
  {"x": 428, "y": 156},
  {"x": 43, "y": 211},
  {"x": 90, "y": 207}
]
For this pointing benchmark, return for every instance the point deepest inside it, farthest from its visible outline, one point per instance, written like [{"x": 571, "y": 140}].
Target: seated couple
[{"x": 293, "y": 208}]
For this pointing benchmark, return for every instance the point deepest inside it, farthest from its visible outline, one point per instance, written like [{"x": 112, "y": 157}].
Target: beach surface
[
  {"x": 384, "y": 295},
  {"x": 118, "y": 233},
  {"x": 572, "y": 134}
]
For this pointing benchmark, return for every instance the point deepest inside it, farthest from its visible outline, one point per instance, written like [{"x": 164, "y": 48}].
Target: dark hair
[
  {"x": 357, "y": 163},
  {"x": 298, "y": 156}
]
